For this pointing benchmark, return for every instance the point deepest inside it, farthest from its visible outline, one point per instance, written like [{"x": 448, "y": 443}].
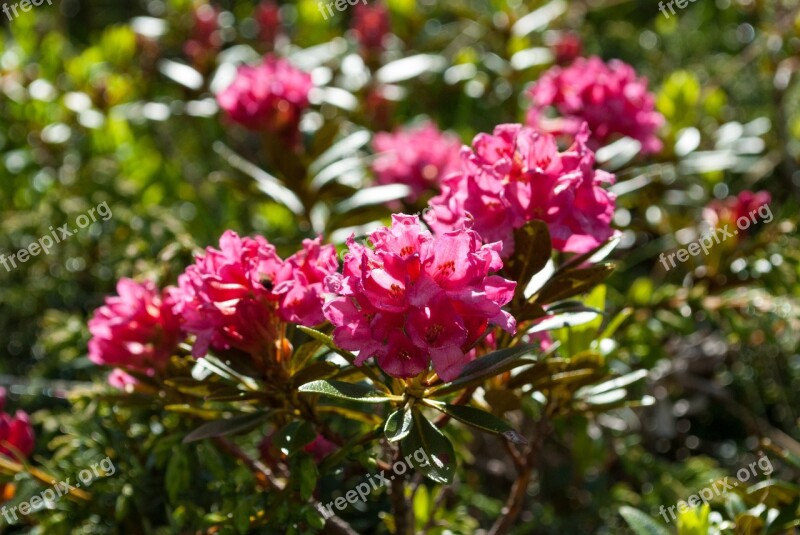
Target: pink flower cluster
[
  {"x": 517, "y": 175},
  {"x": 271, "y": 96},
  {"x": 205, "y": 39},
  {"x": 729, "y": 210},
  {"x": 608, "y": 96},
  {"x": 370, "y": 26},
  {"x": 416, "y": 298},
  {"x": 16, "y": 432},
  {"x": 232, "y": 297},
  {"x": 418, "y": 157},
  {"x": 136, "y": 330}
]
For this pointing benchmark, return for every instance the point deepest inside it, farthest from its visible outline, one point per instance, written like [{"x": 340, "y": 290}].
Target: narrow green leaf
[
  {"x": 482, "y": 420},
  {"x": 398, "y": 425},
  {"x": 340, "y": 389},
  {"x": 532, "y": 250},
  {"x": 328, "y": 341},
  {"x": 293, "y": 436},
  {"x": 227, "y": 426},
  {"x": 484, "y": 367},
  {"x": 425, "y": 437},
  {"x": 640, "y": 523},
  {"x": 573, "y": 282}
]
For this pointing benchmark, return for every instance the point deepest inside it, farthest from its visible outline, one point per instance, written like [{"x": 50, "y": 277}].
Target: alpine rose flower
[
  {"x": 417, "y": 299},
  {"x": 16, "y": 434},
  {"x": 301, "y": 282},
  {"x": 720, "y": 212},
  {"x": 205, "y": 39},
  {"x": 517, "y": 175},
  {"x": 271, "y": 96},
  {"x": 609, "y": 97},
  {"x": 235, "y": 296},
  {"x": 418, "y": 157},
  {"x": 371, "y": 25},
  {"x": 268, "y": 16},
  {"x": 135, "y": 330}
]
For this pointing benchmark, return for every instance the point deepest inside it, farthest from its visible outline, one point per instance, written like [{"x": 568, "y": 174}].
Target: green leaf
[
  {"x": 328, "y": 341},
  {"x": 340, "y": 389},
  {"x": 482, "y": 420},
  {"x": 241, "y": 515},
  {"x": 424, "y": 436},
  {"x": 640, "y": 523},
  {"x": 613, "y": 384},
  {"x": 177, "y": 476},
  {"x": 293, "y": 436},
  {"x": 398, "y": 425},
  {"x": 694, "y": 521},
  {"x": 314, "y": 371},
  {"x": 598, "y": 254},
  {"x": 573, "y": 282},
  {"x": 532, "y": 250},
  {"x": 307, "y": 475},
  {"x": 492, "y": 364},
  {"x": 227, "y": 426}
]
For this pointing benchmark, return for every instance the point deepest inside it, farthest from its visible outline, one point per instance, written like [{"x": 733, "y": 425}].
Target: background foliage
[{"x": 94, "y": 109}]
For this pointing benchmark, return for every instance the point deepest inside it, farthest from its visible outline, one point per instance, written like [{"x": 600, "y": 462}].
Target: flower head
[
  {"x": 418, "y": 157},
  {"x": 135, "y": 329},
  {"x": 205, "y": 39},
  {"x": 516, "y": 175},
  {"x": 370, "y": 25},
  {"x": 271, "y": 96},
  {"x": 235, "y": 296},
  {"x": 268, "y": 17},
  {"x": 416, "y": 299},
  {"x": 16, "y": 435},
  {"x": 607, "y": 96}
]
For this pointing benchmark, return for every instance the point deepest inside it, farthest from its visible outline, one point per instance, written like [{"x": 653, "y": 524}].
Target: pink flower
[
  {"x": 371, "y": 25},
  {"x": 319, "y": 448},
  {"x": 268, "y": 16},
  {"x": 120, "y": 379},
  {"x": 235, "y": 296},
  {"x": 301, "y": 282},
  {"x": 16, "y": 435},
  {"x": 609, "y": 97},
  {"x": 728, "y": 211},
  {"x": 205, "y": 39},
  {"x": 136, "y": 329},
  {"x": 417, "y": 299},
  {"x": 517, "y": 175},
  {"x": 567, "y": 47},
  {"x": 418, "y": 157},
  {"x": 271, "y": 96}
]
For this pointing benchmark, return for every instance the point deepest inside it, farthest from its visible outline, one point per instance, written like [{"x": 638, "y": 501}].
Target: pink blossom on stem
[
  {"x": 271, "y": 96},
  {"x": 135, "y": 329},
  {"x": 16, "y": 435},
  {"x": 417, "y": 156},
  {"x": 608, "y": 96},
  {"x": 417, "y": 299},
  {"x": 516, "y": 175},
  {"x": 235, "y": 296}
]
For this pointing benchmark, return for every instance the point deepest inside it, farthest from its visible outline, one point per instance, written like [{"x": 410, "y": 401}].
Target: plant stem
[
  {"x": 516, "y": 497},
  {"x": 404, "y": 524}
]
